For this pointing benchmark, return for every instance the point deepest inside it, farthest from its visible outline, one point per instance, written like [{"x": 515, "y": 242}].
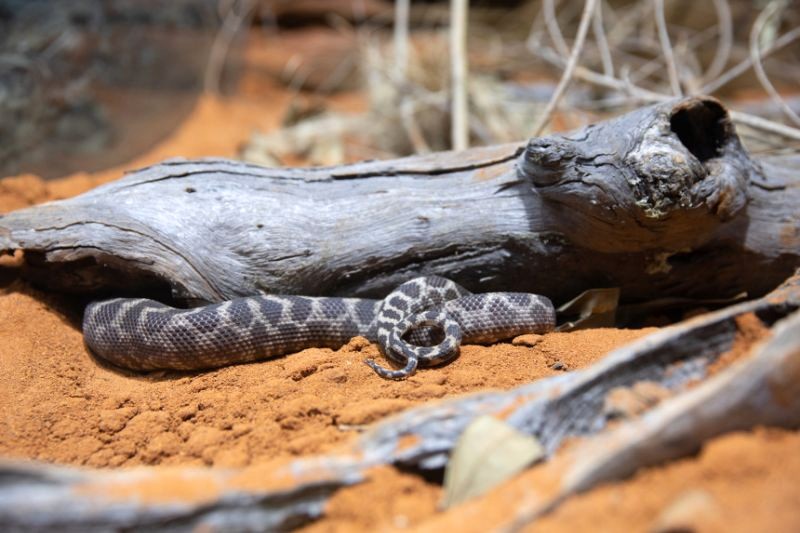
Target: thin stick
[
  {"x": 534, "y": 39},
  {"x": 655, "y": 64},
  {"x": 602, "y": 42},
  {"x": 627, "y": 23},
  {"x": 583, "y": 28},
  {"x": 458, "y": 58},
  {"x": 551, "y": 22},
  {"x": 401, "y": 11},
  {"x": 690, "y": 65},
  {"x": 650, "y": 97},
  {"x": 233, "y": 21},
  {"x": 758, "y": 67},
  {"x": 765, "y": 125},
  {"x": 741, "y": 67},
  {"x": 666, "y": 48},
  {"x": 725, "y": 44},
  {"x": 647, "y": 96},
  {"x": 415, "y": 135},
  {"x": 639, "y": 93}
]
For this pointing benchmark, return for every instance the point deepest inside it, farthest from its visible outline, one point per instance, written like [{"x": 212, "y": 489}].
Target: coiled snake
[{"x": 422, "y": 322}]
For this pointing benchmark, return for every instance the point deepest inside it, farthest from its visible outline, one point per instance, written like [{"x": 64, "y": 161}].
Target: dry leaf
[
  {"x": 488, "y": 452},
  {"x": 595, "y": 308}
]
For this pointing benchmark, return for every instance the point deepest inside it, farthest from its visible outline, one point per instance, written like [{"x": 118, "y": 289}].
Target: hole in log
[{"x": 702, "y": 126}]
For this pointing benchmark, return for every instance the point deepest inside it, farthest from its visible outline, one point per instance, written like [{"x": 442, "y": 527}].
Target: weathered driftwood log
[
  {"x": 661, "y": 202},
  {"x": 762, "y": 388}
]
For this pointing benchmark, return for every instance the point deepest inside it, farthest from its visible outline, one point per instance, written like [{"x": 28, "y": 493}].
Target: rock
[{"x": 530, "y": 340}]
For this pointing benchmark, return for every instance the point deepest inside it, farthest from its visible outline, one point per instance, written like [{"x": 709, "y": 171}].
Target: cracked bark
[{"x": 662, "y": 202}]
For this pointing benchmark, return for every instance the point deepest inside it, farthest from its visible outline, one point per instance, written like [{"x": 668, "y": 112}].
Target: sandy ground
[{"x": 61, "y": 405}]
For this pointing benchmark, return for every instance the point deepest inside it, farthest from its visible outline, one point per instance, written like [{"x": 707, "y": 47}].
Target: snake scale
[{"x": 422, "y": 322}]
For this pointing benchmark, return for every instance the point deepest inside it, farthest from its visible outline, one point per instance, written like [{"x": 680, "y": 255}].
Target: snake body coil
[{"x": 422, "y": 322}]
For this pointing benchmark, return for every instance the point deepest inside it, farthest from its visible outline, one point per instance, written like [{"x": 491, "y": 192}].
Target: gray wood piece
[{"x": 660, "y": 202}]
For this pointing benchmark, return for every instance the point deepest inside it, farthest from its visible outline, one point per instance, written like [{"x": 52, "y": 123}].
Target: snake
[{"x": 423, "y": 322}]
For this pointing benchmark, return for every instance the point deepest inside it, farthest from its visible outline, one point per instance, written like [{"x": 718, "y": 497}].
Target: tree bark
[{"x": 660, "y": 202}]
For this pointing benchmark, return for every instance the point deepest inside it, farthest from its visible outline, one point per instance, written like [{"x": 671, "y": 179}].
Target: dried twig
[
  {"x": 627, "y": 85},
  {"x": 458, "y": 58},
  {"x": 627, "y": 22},
  {"x": 755, "y": 55},
  {"x": 231, "y": 24},
  {"x": 534, "y": 39},
  {"x": 766, "y": 125},
  {"x": 647, "y": 96},
  {"x": 583, "y": 28},
  {"x": 741, "y": 67},
  {"x": 657, "y": 64},
  {"x": 551, "y": 22},
  {"x": 640, "y": 94},
  {"x": 415, "y": 134},
  {"x": 725, "y": 44},
  {"x": 666, "y": 49},
  {"x": 401, "y": 10},
  {"x": 602, "y": 41}
]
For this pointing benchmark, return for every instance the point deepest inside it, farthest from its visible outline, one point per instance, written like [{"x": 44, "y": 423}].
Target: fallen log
[{"x": 662, "y": 202}]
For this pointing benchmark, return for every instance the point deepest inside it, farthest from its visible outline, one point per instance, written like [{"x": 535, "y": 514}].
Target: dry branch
[{"x": 661, "y": 202}]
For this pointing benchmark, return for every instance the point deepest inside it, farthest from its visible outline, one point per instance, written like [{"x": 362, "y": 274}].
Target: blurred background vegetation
[{"x": 90, "y": 84}]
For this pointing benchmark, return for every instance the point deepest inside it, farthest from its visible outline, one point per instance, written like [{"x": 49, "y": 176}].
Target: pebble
[{"x": 530, "y": 340}]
